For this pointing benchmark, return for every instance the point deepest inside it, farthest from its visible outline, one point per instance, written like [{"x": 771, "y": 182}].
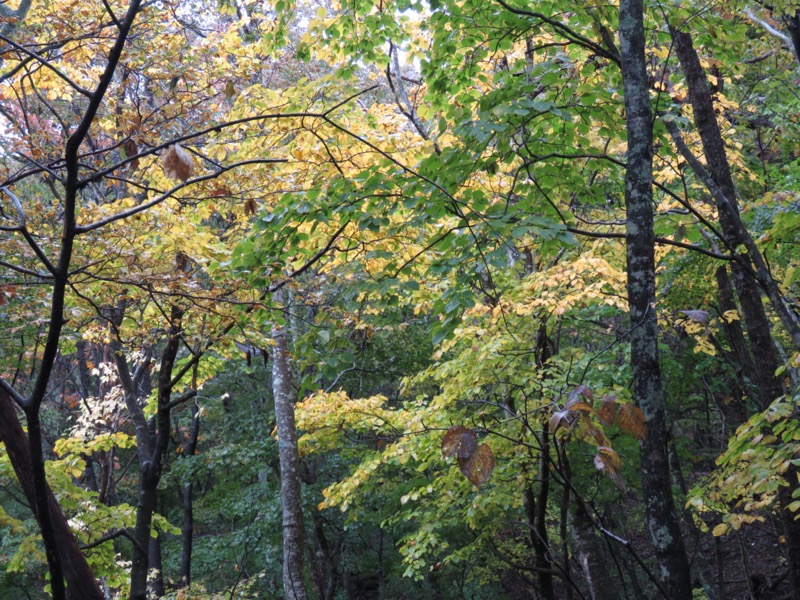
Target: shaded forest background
[{"x": 397, "y": 299}]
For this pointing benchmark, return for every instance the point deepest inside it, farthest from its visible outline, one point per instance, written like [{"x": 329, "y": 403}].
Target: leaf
[
  {"x": 720, "y": 529},
  {"x": 580, "y": 407},
  {"x": 701, "y": 316},
  {"x": 230, "y": 90},
  {"x": 479, "y": 466},
  {"x": 131, "y": 149},
  {"x": 459, "y": 441},
  {"x": 587, "y": 430},
  {"x": 630, "y": 419},
  {"x": 177, "y": 163},
  {"x": 608, "y": 461},
  {"x": 607, "y": 410},
  {"x": 559, "y": 419},
  {"x": 579, "y": 391},
  {"x": 250, "y": 206}
]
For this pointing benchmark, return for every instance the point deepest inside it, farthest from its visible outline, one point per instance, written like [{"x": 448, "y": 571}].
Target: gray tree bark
[
  {"x": 662, "y": 521},
  {"x": 291, "y": 498}
]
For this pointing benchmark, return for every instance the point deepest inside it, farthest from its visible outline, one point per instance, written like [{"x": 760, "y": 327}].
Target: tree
[{"x": 640, "y": 249}]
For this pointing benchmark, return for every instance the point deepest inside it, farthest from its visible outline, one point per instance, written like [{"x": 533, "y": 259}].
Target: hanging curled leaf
[
  {"x": 177, "y": 163},
  {"x": 579, "y": 407},
  {"x": 560, "y": 418},
  {"x": 459, "y": 441},
  {"x": 630, "y": 419},
  {"x": 608, "y": 461},
  {"x": 230, "y": 90},
  {"x": 131, "y": 149},
  {"x": 701, "y": 316},
  {"x": 587, "y": 429},
  {"x": 479, "y": 466},
  {"x": 576, "y": 397},
  {"x": 250, "y": 207},
  {"x": 607, "y": 410}
]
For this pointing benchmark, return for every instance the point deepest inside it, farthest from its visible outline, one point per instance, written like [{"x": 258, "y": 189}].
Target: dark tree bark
[
  {"x": 739, "y": 356},
  {"x": 187, "y": 504},
  {"x": 662, "y": 521},
  {"x": 768, "y": 387},
  {"x": 591, "y": 555},
  {"x": 81, "y": 583},
  {"x": 152, "y": 440},
  {"x": 155, "y": 566},
  {"x": 765, "y": 359},
  {"x": 535, "y": 503},
  {"x": 291, "y": 499}
]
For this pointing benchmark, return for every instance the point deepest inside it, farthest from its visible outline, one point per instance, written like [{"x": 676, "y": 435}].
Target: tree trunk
[
  {"x": 662, "y": 520},
  {"x": 151, "y": 459},
  {"x": 755, "y": 318},
  {"x": 739, "y": 357},
  {"x": 155, "y": 566},
  {"x": 591, "y": 555},
  {"x": 81, "y": 584},
  {"x": 187, "y": 500},
  {"x": 765, "y": 357},
  {"x": 293, "y": 530},
  {"x": 536, "y": 513}
]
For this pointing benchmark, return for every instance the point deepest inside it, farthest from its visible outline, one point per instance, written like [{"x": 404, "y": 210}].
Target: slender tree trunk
[
  {"x": 536, "y": 513},
  {"x": 151, "y": 463},
  {"x": 662, "y": 520},
  {"x": 739, "y": 357},
  {"x": 145, "y": 507},
  {"x": 591, "y": 556},
  {"x": 187, "y": 503},
  {"x": 765, "y": 358},
  {"x": 768, "y": 387},
  {"x": 293, "y": 530},
  {"x": 155, "y": 566},
  {"x": 81, "y": 584}
]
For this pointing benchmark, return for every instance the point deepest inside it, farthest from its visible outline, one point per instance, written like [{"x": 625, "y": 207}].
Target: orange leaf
[
  {"x": 630, "y": 419},
  {"x": 608, "y": 461},
  {"x": 607, "y": 410}
]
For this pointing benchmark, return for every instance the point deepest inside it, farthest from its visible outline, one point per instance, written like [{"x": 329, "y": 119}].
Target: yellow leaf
[{"x": 720, "y": 529}]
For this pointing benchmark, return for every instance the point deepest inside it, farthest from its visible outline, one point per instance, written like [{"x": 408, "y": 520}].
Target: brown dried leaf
[
  {"x": 608, "y": 461},
  {"x": 250, "y": 206},
  {"x": 559, "y": 419},
  {"x": 586, "y": 429},
  {"x": 479, "y": 466},
  {"x": 575, "y": 395},
  {"x": 220, "y": 190},
  {"x": 177, "y": 163},
  {"x": 607, "y": 410},
  {"x": 630, "y": 419},
  {"x": 459, "y": 441},
  {"x": 131, "y": 149},
  {"x": 580, "y": 407},
  {"x": 701, "y": 316}
]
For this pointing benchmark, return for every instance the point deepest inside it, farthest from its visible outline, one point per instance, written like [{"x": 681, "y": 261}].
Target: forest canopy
[{"x": 399, "y": 299}]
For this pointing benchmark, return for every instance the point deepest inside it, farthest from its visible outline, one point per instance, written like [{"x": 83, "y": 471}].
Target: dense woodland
[{"x": 399, "y": 299}]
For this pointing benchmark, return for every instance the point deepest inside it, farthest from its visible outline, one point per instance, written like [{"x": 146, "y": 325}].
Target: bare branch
[
  {"x": 46, "y": 63},
  {"x": 159, "y": 199}
]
